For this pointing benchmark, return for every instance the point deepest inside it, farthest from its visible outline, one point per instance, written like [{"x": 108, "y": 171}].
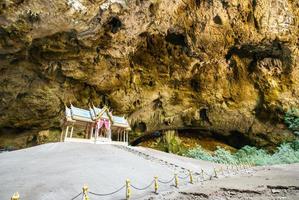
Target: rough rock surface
[{"x": 229, "y": 67}]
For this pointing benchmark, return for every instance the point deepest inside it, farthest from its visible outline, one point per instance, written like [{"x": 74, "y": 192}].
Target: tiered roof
[{"x": 78, "y": 114}]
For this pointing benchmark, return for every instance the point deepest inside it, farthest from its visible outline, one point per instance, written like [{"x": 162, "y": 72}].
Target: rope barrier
[
  {"x": 241, "y": 167},
  {"x": 166, "y": 182},
  {"x": 107, "y": 194},
  {"x": 75, "y": 197},
  {"x": 184, "y": 177},
  {"x": 144, "y": 188}
]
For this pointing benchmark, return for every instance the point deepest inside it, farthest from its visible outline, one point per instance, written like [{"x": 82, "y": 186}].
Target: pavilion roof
[{"x": 79, "y": 114}]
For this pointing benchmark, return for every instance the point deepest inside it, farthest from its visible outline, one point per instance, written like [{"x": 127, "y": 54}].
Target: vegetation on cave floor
[
  {"x": 286, "y": 153},
  {"x": 215, "y": 151},
  {"x": 212, "y": 150},
  {"x": 179, "y": 144}
]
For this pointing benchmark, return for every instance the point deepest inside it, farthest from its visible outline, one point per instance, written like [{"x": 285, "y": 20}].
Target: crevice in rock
[
  {"x": 217, "y": 20},
  {"x": 176, "y": 38},
  {"x": 139, "y": 127},
  {"x": 195, "y": 194},
  {"x": 114, "y": 24},
  {"x": 197, "y": 3},
  {"x": 195, "y": 84},
  {"x": 235, "y": 139},
  {"x": 203, "y": 113},
  {"x": 158, "y": 104},
  {"x": 241, "y": 191}
]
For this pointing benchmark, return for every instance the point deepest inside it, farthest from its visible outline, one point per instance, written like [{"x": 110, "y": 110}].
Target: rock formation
[{"x": 228, "y": 67}]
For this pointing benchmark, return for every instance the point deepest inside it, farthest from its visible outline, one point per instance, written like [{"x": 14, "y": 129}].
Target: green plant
[
  {"x": 286, "y": 153},
  {"x": 292, "y": 120},
  {"x": 171, "y": 143},
  {"x": 223, "y": 156},
  {"x": 199, "y": 153}
]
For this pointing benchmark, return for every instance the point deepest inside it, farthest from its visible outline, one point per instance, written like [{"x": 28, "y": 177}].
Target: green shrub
[
  {"x": 250, "y": 154},
  {"x": 292, "y": 120},
  {"x": 286, "y": 153},
  {"x": 223, "y": 156},
  {"x": 199, "y": 153}
]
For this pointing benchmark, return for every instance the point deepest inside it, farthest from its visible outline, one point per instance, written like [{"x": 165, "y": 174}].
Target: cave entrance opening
[
  {"x": 96, "y": 125},
  {"x": 184, "y": 139}
]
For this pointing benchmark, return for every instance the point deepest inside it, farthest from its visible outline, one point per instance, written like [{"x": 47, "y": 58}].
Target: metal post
[
  {"x": 128, "y": 189},
  {"x": 66, "y": 132},
  {"x": 190, "y": 176},
  {"x": 15, "y": 196},
  {"x": 85, "y": 192},
  {"x": 176, "y": 180},
  {"x": 156, "y": 184}
]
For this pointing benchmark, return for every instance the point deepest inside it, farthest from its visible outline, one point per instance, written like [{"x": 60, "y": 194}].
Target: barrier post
[
  {"x": 156, "y": 184},
  {"x": 15, "y": 196},
  {"x": 128, "y": 189},
  {"x": 215, "y": 173},
  {"x": 222, "y": 171},
  {"x": 202, "y": 174},
  {"x": 176, "y": 180},
  {"x": 190, "y": 176},
  {"x": 85, "y": 192}
]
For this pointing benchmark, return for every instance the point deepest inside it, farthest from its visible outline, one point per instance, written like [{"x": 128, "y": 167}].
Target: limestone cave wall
[{"x": 230, "y": 67}]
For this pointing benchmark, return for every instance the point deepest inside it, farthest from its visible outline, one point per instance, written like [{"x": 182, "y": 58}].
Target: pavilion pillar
[
  {"x": 91, "y": 131},
  {"x": 127, "y": 136},
  {"x": 96, "y": 133},
  {"x": 66, "y": 132},
  {"x": 124, "y": 133},
  {"x": 117, "y": 135},
  {"x": 109, "y": 134},
  {"x": 61, "y": 135},
  {"x": 72, "y": 129}
]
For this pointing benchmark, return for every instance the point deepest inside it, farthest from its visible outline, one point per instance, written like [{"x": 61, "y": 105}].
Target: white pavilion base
[{"x": 93, "y": 141}]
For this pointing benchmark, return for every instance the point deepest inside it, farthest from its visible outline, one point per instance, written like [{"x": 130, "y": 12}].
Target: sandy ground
[{"x": 58, "y": 171}]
